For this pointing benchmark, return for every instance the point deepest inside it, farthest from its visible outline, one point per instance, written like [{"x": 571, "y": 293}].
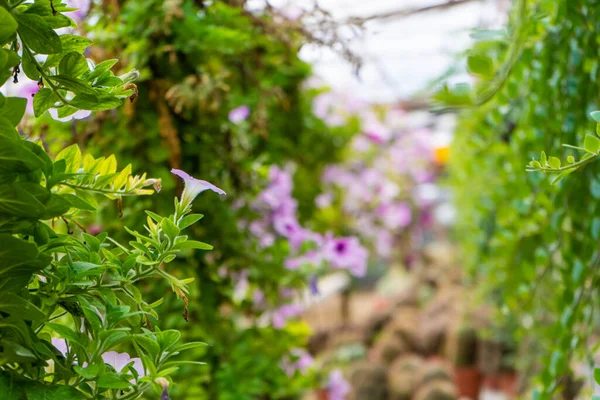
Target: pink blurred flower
[
  {"x": 309, "y": 258},
  {"x": 241, "y": 286},
  {"x": 394, "y": 216},
  {"x": 374, "y": 129},
  {"x": 95, "y": 229},
  {"x": 83, "y": 7},
  {"x": 283, "y": 313},
  {"x": 338, "y": 386},
  {"x": 324, "y": 200},
  {"x": 258, "y": 298},
  {"x": 301, "y": 362},
  {"x": 239, "y": 114}
]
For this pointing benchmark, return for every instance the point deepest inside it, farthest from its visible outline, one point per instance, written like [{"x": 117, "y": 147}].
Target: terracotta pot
[
  {"x": 492, "y": 382},
  {"x": 508, "y": 384},
  {"x": 468, "y": 382},
  {"x": 322, "y": 394}
]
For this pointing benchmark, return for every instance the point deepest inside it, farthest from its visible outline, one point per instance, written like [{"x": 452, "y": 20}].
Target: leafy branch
[{"x": 591, "y": 148}]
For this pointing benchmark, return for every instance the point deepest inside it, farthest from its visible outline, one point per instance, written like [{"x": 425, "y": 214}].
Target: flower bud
[{"x": 130, "y": 76}]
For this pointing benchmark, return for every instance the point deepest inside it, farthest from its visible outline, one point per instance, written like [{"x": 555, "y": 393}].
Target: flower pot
[
  {"x": 468, "y": 382},
  {"x": 492, "y": 382},
  {"x": 508, "y": 384},
  {"x": 322, "y": 394}
]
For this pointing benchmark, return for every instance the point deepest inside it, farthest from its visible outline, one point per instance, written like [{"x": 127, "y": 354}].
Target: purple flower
[
  {"x": 27, "y": 89},
  {"x": 384, "y": 243},
  {"x": 394, "y": 216},
  {"x": 193, "y": 187},
  {"x": 258, "y": 298},
  {"x": 119, "y": 360},
  {"x": 83, "y": 7},
  {"x": 346, "y": 253},
  {"x": 95, "y": 229},
  {"x": 242, "y": 285},
  {"x": 289, "y": 227},
  {"x": 303, "y": 361},
  {"x": 60, "y": 345},
  {"x": 309, "y": 258},
  {"x": 338, "y": 386},
  {"x": 314, "y": 284},
  {"x": 239, "y": 114},
  {"x": 324, "y": 200},
  {"x": 373, "y": 129},
  {"x": 285, "y": 312}
]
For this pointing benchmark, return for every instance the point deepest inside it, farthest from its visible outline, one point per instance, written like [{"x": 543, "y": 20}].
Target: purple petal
[
  {"x": 239, "y": 114},
  {"x": 314, "y": 285},
  {"x": 196, "y": 186}
]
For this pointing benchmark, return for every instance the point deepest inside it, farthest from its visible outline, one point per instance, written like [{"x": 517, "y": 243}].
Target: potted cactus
[{"x": 466, "y": 374}]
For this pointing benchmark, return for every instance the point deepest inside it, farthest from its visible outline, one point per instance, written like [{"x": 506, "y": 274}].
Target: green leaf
[
  {"x": 15, "y": 156},
  {"x": 18, "y": 261},
  {"x": 72, "y": 157},
  {"x": 82, "y": 269},
  {"x": 29, "y": 66},
  {"x": 577, "y": 273},
  {"x": 8, "y": 26},
  {"x": 89, "y": 372},
  {"x": 73, "y": 64},
  {"x": 76, "y": 43},
  {"x": 96, "y": 102},
  {"x": 591, "y": 143},
  {"x": 69, "y": 44},
  {"x": 23, "y": 199},
  {"x": 37, "y": 34},
  {"x": 101, "y": 68},
  {"x": 597, "y": 375},
  {"x": 17, "y": 306},
  {"x": 44, "y": 10},
  {"x": 543, "y": 159},
  {"x": 14, "y": 109},
  {"x": 69, "y": 334},
  {"x": 189, "y": 220},
  {"x": 12, "y": 58},
  {"x": 169, "y": 228},
  {"x": 480, "y": 65},
  {"x": 535, "y": 164},
  {"x": 47, "y": 392},
  {"x": 110, "y": 380},
  {"x": 55, "y": 206},
  {"x": 74, "y": 85},
  {"x": 43, "y": 100},
  {"x": 78, "y": 202},
  {"x": 595, "y": 115},
  {"x": 193, "y": 244},
  {"x": 554, "y": 162}
]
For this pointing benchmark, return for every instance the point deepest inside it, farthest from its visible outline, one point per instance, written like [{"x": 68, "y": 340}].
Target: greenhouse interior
[{"x": 299, "y": 199}]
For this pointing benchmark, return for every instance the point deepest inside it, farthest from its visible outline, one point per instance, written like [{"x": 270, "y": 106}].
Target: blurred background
[{"x": 380, "y": 239}]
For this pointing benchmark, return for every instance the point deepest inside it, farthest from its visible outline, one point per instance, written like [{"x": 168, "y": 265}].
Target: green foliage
[
  {"x": 198, "y": 62},
  {"x": 68, "y": 298},
  {"x": 73, "y": 81},
  {"x": 532, "y": 247}
]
